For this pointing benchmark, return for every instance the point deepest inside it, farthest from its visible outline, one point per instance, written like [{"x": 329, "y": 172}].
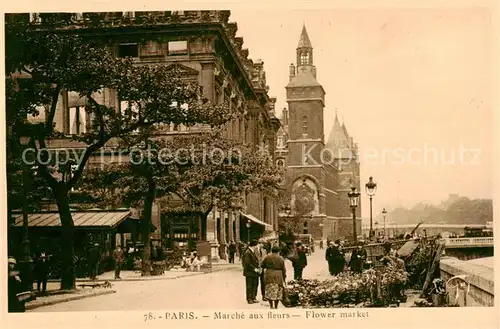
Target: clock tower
[{"x": 313, "y": 179}]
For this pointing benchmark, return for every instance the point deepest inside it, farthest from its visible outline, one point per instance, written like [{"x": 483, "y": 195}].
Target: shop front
[{"x": 99, "y": 230}]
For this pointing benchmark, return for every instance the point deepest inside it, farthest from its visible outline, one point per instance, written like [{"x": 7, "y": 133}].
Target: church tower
[
  {"x": 319, "y": 173},
  {"x": 305, "y": 171}
]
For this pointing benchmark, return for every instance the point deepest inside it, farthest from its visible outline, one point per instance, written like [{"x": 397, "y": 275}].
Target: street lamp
[
  {"x": 384, "y": 214},
  {"x": 371, "y": 188},
  {"x": 26, "y": 261},
  {"x": 248, "y": 231},
  {"x": 354, "y": 200}
]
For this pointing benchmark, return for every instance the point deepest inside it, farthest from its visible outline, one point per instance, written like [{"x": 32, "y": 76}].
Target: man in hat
[
  {"x": 261, "y": 253},
  {"x": 14, "y": 287},
  {"x": 251, "y": 271},
  {"x": 299, "y": 260},
  {"x": 358, "y": 258},
  {"x": 41, "y": 271},
  {"x": 119, "y": 257},
  {"x": 93, "y": 258}
]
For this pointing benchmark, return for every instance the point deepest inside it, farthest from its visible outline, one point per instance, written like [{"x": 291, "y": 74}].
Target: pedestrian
[
  {"x": 195, "y": 262},
  {"x": 41, "y": 271},
  {"x": 251, "y": 271},
  {"x": 335, "y": 258},
  {"x": 299, "y": 261},
  {"x": 274, "y": 277},
  {"x": 119, "y": 257},
  {"x": 232, "y": 251},
  {"x": 93, "y": 259},
  {"x": 15, "y": 287},
  {"x": 321, "y": 244},
  {"x": 358, "y": 258},
  {"x": 261, "y": 253}
]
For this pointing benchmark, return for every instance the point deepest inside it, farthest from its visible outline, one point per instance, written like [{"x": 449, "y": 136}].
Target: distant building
[{"x": 319, "y": 173}]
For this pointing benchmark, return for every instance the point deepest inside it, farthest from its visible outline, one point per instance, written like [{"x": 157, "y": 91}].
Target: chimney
[
  {"x": 292, "y": 71},
  {"x": 285, "y": 116}
]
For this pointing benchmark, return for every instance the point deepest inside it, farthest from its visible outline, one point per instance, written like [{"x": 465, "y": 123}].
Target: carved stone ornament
[
  {"x": 304, "y": 199},
  {"x": 216, "y": 71},
  {"x": 233, "y": 94},
  {"x": 225, "y": 83},
  {"x": 240, "y": 102}
]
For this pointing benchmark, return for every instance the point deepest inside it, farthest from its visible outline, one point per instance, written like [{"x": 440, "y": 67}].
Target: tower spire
[{"x": 304, "y": 41}]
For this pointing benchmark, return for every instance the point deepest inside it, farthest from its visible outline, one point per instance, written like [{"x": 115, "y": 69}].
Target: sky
[{"x": 413, "y": 87}]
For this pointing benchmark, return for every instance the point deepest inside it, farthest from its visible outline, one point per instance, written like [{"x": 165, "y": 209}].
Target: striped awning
[{"x": 88, "y": 219}]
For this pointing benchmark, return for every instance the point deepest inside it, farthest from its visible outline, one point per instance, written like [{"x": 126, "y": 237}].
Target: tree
[
  {"x": 214, "y": 171},
  {"x": 102, "y": 185},
  {"x": 41, "y": 63}
]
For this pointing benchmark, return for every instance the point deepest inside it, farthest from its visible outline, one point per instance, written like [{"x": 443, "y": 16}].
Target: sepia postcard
[{"x": 250, "y": 164}]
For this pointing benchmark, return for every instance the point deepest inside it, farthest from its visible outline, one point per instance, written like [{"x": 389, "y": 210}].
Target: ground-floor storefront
[
  {"x": 184, "y": 230},
  {"x": 97, "y": 233}
]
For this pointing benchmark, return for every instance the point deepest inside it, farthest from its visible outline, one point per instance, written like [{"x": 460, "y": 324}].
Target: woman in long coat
[{"x": 274, "y": 277}]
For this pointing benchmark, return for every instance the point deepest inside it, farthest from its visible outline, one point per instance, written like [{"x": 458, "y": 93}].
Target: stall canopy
[
  {"x": 257, "y": 221},
  {"x": 81, "y": 219}
]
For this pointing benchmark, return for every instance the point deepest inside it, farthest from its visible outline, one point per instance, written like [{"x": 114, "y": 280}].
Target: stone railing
[
  {"x": 473, "y": 284},
  {"x": 466, "y": 242}
]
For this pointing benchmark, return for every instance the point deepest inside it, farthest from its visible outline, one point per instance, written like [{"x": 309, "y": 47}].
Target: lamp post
[
  {"x": 384, "y": 214},
  {"x": 26, "y": 261},
  {"x": 248, "y": 231},
  {"x": 287, "y": 210},
  {"x": 371, "y": 188},
  {"x": 354, "y": 200}
]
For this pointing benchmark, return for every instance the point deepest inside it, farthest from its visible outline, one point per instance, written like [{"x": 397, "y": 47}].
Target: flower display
[{"x": 350, "y": 289}]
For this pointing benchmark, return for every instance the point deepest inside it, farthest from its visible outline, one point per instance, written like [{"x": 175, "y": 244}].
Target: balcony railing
[{"x": 481, "y": 241}]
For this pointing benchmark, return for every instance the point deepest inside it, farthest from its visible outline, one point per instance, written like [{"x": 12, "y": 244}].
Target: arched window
[{"x": 304, "y": 58}]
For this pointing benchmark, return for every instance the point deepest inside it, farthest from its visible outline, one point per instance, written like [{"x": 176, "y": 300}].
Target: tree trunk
[
  {"x": 146, "y": 231},
  {"x": 203, "y": 226},
  {"x": 67, "y": 241}
]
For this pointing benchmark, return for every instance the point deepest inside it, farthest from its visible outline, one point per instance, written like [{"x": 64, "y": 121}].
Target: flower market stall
[{"x": 379, "y": 287}]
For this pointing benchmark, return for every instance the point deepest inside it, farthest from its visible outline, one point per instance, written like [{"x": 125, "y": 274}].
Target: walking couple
[{"x": 270, "y": 269}]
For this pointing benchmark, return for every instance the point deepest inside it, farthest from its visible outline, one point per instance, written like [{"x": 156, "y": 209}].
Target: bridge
[
  {"x": 469, "y": 248},
  {"x": 480, "y": 242}
]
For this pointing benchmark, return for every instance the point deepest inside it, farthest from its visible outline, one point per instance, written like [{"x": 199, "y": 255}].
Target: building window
[
  {"x": 128, "y": 50},
  {"x": 281, "y": 141},
  {"x": 304, "y": 124},
  {"x": 130, "y": 111},
  {"x": 151, "y": 48},
  {"x": 177, "y": 48},
  {"x": 77, "y": 120},
  {"x": 304, "y": 59}
]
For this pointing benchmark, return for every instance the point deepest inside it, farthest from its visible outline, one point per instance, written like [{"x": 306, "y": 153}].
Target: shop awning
[
  {"x": 81, "y": 219},
  {"x": 256, "y": 220}
]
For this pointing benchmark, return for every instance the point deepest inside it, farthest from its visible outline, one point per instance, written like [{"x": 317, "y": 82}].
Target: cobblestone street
[{"x": 224, "y": 289}]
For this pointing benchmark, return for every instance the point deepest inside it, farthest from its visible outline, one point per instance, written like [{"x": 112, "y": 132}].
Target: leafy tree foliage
[{"x": 41, "y": 63}]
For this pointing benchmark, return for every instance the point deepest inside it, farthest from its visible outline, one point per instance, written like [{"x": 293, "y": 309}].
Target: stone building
[
  {"x": 319, "y": 173},
  {"x": 204, "y": 45}
]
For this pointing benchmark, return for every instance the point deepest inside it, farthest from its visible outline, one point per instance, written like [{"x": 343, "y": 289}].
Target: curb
[
  {"x": 68, "y": 299},
  {"x": 155, "y": 278}
]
